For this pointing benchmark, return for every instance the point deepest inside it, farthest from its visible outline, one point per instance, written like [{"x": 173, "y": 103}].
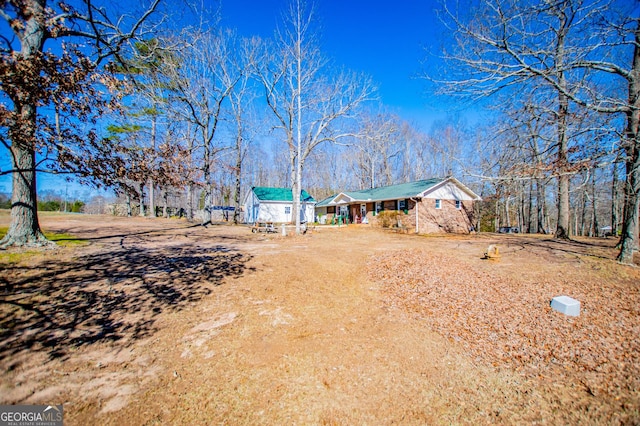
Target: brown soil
[{"x": 165, "y": 322}]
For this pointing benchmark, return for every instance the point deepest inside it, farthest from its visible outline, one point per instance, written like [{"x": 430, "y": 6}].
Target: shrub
[
  {"x": 77, "y": 206},
  {"x": 388, "y": 218},
  {"x": 49, "y": 206}
]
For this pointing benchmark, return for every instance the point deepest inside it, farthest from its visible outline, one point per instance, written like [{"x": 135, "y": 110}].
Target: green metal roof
[
  {"x": 391, "y": 192},
  {"x": 265, "y": 193},
  {"x": 326, "y": 201}
]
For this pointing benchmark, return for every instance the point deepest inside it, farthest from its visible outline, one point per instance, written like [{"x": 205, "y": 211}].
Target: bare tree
[
  {"x": 241, "y": 100},
  {"x": 132, "y": 168},
  {"x": 310, "y": 107},
  {"x": 33, "y": 77},
  {"x": 375, "y": 147},
  {"x": 510, "y": 44},
  {"x": 593, "y": 62},
  {"x": 203, "y": 77},
  {"x": 446, "y": 140}
]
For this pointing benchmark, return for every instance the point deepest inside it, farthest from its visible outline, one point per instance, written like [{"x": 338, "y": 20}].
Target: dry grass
[
  {"x": 506, "y": 322},
  {"x": 178, "y": 324}
]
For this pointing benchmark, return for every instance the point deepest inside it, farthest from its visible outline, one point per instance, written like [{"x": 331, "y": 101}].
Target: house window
[
  {"x": 402, "y": 204},
  {"x": 287, "y": 210},
  {"x": 438, "y": 204},
  {"x": 458, "y": 204},
  {"x": 379, "y": 206}
]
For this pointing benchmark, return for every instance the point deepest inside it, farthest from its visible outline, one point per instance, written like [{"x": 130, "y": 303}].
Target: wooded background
[{"x": 190, "y": 116}]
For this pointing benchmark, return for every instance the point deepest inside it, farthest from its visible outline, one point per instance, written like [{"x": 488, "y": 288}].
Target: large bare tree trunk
[
  {"x": 208, "y": 192},
  {"x": 165, "y": 202},
  {"x": 629, "y": 238},
  {"x": 152, "y": 184},
  {"x": 128, "y": 203},
  {"x": 583, "y": 218},
  {"x": 629, "y": 241},
  {"x": 496, "y": 221},
  {"x": 507, "y": 214},
  {"x": 540, "y": 204},
  {"x": 238, "y": 175},
  {"x": 24, "y": 228},
  {"x": 294, "y": 189},
  {"x": 530, "y": 209},
  {"x": 141, "y": 197},
  {"x": 189, "y": 188},
  {"x": 614, "y": 199},
  {"x": 594, "y": 225},
  {"x": 562, "y": 230},
  {"x": 189, "y": 195}
]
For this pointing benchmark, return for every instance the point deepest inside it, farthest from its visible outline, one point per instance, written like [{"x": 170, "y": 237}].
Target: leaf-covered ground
[
  {"x": 159, "y": 321},
  {"x": 505, "y": 320}
]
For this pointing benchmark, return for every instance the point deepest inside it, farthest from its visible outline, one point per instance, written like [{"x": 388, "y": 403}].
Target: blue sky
[
  {"x": 385, "y": 40},
  {"x": 382, "y": 39}
]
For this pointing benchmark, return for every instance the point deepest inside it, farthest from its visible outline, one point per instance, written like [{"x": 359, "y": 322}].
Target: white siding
[
  {"x": 256, "y": 210},
  {"x": 448, "y": 191},
  {"x": 275, "y": 211},
  {"x": 342, "y": 198},
  {"x": 307, "y": 212},
  {"x": 251, "y": 208},
  {"x": 271, "y": 211}
]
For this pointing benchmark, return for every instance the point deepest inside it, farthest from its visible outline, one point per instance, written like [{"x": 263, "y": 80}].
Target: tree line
[{"x": 196, "y": 115}]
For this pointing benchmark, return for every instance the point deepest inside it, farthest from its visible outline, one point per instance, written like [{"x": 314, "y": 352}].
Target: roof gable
[
  {"x": 265, "y": 193},
  {"x": 451, "y": 188}
]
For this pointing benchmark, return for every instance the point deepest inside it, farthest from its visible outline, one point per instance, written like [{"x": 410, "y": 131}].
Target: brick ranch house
[{"x": 425, "y": 206}]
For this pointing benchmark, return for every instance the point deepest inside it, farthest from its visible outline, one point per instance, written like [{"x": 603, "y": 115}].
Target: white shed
[{"x": 265, "y": 204}]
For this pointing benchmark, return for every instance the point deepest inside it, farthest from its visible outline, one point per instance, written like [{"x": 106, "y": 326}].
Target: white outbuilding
[{"x": 266, "y": 204}]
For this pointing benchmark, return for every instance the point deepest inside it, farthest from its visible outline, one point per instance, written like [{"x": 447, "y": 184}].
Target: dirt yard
[{"x": 165, "y": 322}]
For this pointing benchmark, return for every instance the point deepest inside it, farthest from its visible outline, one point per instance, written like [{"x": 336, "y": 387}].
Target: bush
[
  {"x": 388, "y": 218},
  {"x": 77, "y": 206},
  {"x": 49, "y": 206},
  {"x": 58, "y": 206}
]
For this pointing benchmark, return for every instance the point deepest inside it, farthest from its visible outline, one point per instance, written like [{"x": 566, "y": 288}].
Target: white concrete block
[{"x": 566, "y": 305}]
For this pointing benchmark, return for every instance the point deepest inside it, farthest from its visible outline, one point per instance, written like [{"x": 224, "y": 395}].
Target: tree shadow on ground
[
  {"x": 122, "y": 233},
  {"x": 598, "y": 248},
  {"x": 107, "y": 296}
]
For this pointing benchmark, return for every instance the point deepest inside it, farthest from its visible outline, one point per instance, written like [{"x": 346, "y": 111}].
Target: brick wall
[
  {"x": 445, "y": 219},
  {"x": 431, "y": 220}
]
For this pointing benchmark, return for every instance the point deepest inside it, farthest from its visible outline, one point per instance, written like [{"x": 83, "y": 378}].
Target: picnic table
[{"x": 263, "y": 227}]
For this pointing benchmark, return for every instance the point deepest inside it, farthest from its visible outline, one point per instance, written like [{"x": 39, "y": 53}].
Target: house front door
[
  {"x": 343, "y": 211},
  {"x": 354, "y": 214}
]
